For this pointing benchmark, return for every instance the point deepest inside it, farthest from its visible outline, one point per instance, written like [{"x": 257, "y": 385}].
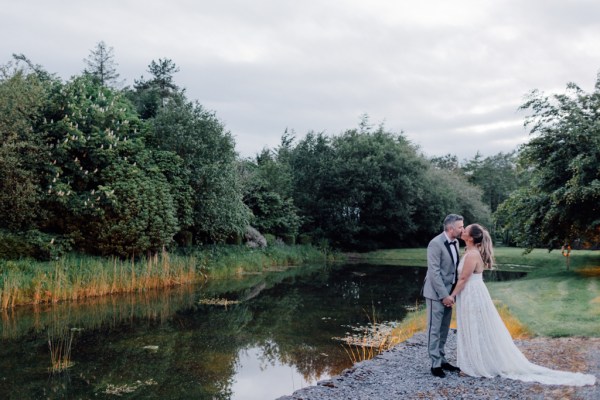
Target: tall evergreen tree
[
  {"x": 150, "y": 95},
  {"x": 101, "y": 65}
]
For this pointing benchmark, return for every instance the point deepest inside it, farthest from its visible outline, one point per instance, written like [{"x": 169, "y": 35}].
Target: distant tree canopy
[
  {"x": 86, "y": 166},
  {"x": 79, "y": 168},
  {"x": 101, "y": 65},
  {"x": 368, "y": 188},
  {"x": 497, "y": 176},
  {"x": 561, "y": 203}
]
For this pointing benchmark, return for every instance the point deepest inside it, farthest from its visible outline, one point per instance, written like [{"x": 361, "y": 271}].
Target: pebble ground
[{"x": 403, "y": 373}]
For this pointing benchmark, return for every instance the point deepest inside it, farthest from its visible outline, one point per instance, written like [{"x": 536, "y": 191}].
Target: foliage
[
  {"x": 32, "y": 244},
  {"x": 497, "y": 176},
  {"x": 209, "y": 159},
  {"x": 561, "y": 203},
  {"x": 96, "y": 191},
  {"x": 447, "y": 162},
  {"x": 267, "y": 186},
  {"x": 369, "y": 188},
  {"x": 149, "y": 96},
  {"x": 101, "y": 65},
  {"x": 22, "y": 151},
  {"x": 444, "y": 191}
]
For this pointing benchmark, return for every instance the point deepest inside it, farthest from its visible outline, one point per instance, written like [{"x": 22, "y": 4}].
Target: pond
[{"x": 257, "y": 337}]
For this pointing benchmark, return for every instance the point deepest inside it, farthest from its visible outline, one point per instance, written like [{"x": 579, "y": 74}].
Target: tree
[
  {"x": 358, "y": 190},
  {"x": 448, "y": 162},
  {"x": 101, "y": 65},
  {"x": 103, "y": 187},
  {"x": 209, "y": 158},
  {"x": 151, "y": 95},
  {"x": 22, "y": 151},
  {"x": 267, "y": 192},
  {"x": 562, "y": 202},
  {"x": 162, "y": 72},
  {"x": 310, "y": 160},
  {"x": 497, "y": 176}
]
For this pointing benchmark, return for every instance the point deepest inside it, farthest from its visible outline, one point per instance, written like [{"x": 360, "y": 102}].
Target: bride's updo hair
[{"x": 483, "y": 241}]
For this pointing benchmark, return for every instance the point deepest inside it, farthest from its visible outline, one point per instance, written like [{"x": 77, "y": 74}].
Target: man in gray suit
[{"x": 442, "y": 263}]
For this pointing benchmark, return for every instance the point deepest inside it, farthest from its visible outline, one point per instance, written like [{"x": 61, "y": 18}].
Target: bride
[{"x": 484, "y": 345}]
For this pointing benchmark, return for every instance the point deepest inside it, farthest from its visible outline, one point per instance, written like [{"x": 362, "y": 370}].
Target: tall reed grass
[
  {"x": 60, "y": 343},
  {"x": 76, "y": 277}
]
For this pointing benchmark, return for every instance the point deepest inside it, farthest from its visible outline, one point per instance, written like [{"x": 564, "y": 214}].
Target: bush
[
  {"x": 270, "y": 239},
  {"x": 289, "y": 239},
  {"x": 304, "y": 239},
  {"x": 32, "y": 244}
]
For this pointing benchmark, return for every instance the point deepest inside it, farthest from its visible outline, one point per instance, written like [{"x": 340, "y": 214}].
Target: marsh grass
[
  {"x": 78, "y": 277},
  {"x": 60, "y": 343},
  {"x": 370, "y": 340},
  {"x": 75, "y": 277}
]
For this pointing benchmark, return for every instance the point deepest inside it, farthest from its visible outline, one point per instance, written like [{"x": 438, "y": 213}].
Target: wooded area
[{"x": 88, "y": 166}]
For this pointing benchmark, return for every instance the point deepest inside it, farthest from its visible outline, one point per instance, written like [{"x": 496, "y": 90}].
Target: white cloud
[{"x": 442, "y": 72}]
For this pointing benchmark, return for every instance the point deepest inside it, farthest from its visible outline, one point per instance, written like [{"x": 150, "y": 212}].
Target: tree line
[{"x": 88, "y": 166}]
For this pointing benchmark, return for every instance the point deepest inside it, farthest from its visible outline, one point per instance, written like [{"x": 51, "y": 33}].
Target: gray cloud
[{"x": 451, "y": 75}]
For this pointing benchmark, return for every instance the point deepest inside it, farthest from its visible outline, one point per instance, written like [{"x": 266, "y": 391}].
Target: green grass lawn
[{"x": 550, "y": 300}]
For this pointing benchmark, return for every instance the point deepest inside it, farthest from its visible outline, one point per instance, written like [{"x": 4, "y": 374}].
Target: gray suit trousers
[{"x": 438, "y": 323}]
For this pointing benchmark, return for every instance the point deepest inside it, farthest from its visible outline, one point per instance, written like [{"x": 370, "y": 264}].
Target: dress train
[{"x": 486, "y": 349}]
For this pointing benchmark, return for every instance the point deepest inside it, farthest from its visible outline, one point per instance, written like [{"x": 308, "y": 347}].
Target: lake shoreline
[{"x": 403, "y": 372}]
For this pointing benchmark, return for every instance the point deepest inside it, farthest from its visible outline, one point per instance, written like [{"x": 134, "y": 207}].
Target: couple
[{"x": 484, "y": 345}]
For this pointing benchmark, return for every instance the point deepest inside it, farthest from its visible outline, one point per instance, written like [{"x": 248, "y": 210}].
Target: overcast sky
[{"x": 449, "y": 74}]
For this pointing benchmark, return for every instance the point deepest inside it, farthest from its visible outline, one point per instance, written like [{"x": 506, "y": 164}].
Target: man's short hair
[{"x": 451, "y": 219}]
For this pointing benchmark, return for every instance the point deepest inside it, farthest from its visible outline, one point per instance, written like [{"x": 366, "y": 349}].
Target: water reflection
[
  {"x": 259, "y": 377},
  {"x": 271, "y": 336}
]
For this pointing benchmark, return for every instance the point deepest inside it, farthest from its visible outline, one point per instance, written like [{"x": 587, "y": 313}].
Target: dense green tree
[
  {"x": 562, "y": 203},
  {"x": 310, "y": 162},
  {"x": 149, "y": 95},
  {"x": 448, "y": 162},
  {"x": 208, "y": 154},
  {"x": 369, "y": 188},
  {"x": 101, "y": 65},
  {"x": 102, "y": 186},
  {"x": 22, "y": 97},
  {"x": 267, "y": 192},
  {"x": 497, "y": 176},
  {"x": 370, "y": 193}
]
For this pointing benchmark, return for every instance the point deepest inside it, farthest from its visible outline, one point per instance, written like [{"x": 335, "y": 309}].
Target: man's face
[{"x": 457, "y": 229}]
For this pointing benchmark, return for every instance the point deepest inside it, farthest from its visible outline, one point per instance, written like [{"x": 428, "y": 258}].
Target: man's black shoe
[
  {"x": 438, "y": 371},
  {"x": 449, "y": 367}
]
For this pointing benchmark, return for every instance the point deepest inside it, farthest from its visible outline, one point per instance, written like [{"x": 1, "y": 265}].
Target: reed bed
[{"x": 75, "y": 277}]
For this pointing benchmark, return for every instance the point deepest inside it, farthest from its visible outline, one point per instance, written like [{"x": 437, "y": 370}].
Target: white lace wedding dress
[{"x": 485, "y": 347}]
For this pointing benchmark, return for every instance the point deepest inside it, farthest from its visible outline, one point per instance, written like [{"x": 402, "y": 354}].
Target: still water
[{"x": 257, "y": 337}]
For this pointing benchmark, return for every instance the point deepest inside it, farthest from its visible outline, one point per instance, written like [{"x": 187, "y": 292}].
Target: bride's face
[{"x": 466, "y": 234}]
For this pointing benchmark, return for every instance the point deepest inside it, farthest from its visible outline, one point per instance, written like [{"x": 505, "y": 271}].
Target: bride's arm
[{"x": 467, "y": 270}]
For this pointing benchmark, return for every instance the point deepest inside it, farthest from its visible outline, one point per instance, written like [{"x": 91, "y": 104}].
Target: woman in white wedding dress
[{"x": 484, "y": 345}]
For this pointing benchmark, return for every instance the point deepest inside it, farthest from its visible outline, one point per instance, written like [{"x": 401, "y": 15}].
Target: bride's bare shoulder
[{"x": 472, "y": 253}]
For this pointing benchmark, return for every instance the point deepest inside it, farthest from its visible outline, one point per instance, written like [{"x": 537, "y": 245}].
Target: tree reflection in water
[{"x": 277, "y": 323}]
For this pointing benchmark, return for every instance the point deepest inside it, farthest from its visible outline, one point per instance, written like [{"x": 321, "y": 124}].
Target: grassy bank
[
  {"x": 549, "y": 301},
  {"x": 80, "y": 276}
]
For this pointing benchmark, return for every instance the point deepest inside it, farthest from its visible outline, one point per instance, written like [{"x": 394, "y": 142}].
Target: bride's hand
[{"x": 448, "y": 301}]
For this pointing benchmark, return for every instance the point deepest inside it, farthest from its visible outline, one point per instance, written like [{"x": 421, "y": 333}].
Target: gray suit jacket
[{"x": 440, "y": 269}]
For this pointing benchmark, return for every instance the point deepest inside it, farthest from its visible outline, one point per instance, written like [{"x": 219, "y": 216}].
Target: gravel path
[{"x": 403, "y": 373}]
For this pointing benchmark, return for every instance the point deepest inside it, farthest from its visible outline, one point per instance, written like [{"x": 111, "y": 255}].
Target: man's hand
[{"x": 448, "y": 301}]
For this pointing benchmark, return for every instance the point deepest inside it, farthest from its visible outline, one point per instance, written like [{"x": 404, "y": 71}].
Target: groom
[{"x": 442, "y": 261}]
